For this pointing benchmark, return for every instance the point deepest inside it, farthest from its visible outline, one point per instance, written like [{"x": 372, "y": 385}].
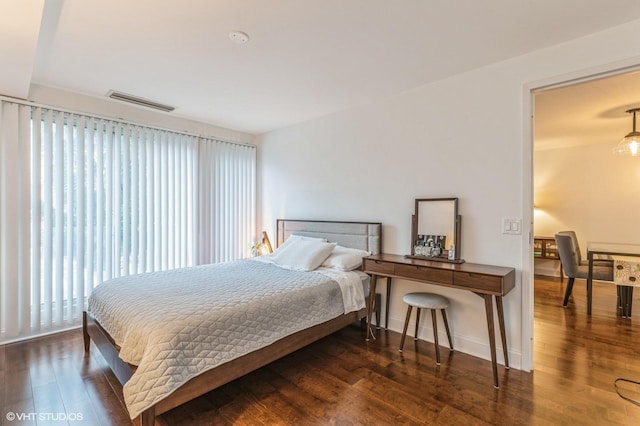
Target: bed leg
[
  {"x": 85, "y": 332},
  {"x": 148, "y": 417}
]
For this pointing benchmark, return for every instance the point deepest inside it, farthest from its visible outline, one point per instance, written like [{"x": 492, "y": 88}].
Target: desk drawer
[
  {"x": 478, "y": 281},
  {"x": 423, "y": 273},
  {"x": 379, "y": 266}
]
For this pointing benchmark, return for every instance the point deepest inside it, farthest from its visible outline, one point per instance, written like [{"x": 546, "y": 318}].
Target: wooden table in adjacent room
[
  {"x": 612, "y": 251},
  {"x": 484, "y": 280}
]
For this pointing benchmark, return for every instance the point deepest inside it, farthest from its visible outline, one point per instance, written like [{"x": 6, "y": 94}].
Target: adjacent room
[
  {"x": 318, "y": 212},
  {"x": 585, "y": 186},
  {"x": 582, "y": 182}
]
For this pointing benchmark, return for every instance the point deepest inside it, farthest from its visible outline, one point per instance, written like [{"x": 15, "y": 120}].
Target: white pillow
[
  {"x": 345, "y": 259},
  {"x": 295, "y": 237},
  {"x": 302, "y": 254}
]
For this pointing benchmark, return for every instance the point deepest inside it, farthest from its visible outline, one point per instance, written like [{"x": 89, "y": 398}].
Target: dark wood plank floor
[{"x": 343, "y": 380}]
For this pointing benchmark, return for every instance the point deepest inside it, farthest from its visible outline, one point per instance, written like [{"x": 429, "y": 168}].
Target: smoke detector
[{"x": 239, "y": 37}]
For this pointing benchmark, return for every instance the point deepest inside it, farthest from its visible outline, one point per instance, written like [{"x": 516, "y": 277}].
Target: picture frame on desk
[{"x": 430, "y": 245}]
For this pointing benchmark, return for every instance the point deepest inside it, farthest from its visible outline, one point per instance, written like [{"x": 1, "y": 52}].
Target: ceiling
[
  {"x": 588, "y": 113},
  {"x": 305, "y": 58}
]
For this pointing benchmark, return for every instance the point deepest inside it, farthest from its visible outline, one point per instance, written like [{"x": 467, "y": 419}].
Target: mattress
[{"x": 175, "y": 325}]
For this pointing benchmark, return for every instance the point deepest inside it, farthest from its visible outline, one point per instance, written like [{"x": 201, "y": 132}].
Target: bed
[{"x": 204, "y": 353}]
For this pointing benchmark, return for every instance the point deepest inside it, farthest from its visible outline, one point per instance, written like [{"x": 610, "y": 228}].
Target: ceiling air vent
[{"x": 139, "y": 101}]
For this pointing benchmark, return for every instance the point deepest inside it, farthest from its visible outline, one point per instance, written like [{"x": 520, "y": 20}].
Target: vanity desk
[{"x": 484, "y": 280}]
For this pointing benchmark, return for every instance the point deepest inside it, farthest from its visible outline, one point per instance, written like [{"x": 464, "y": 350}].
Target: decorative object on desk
[
  {"x": 435, "y": 223},
  {"x": 630, "y": 144},
  {"x": 429, "y": 245}
]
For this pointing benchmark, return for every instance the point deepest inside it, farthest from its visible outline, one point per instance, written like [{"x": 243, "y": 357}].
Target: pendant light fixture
[{"x": 630, "y": 145}]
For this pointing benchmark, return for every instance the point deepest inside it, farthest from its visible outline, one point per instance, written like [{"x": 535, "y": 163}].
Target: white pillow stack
[
  {"x": 302, "y": 253},
  {"x": 345, "y": 259}
]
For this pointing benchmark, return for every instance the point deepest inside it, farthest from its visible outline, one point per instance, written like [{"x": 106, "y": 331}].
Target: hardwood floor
[{"x": 344, "y": 380}]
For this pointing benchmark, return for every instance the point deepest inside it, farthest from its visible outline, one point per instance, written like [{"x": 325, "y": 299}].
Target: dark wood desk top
[{"x": 479, "y": 278}]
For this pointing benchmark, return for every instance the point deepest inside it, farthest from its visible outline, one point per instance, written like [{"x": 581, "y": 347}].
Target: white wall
[
  {"x": 461, "y": 137},
  {"x": 116, "y": 109},
  {"x": 589, "y": 190}
]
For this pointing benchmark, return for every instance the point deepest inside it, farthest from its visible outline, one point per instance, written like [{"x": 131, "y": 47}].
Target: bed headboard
[{"x": 361, "y": 235}]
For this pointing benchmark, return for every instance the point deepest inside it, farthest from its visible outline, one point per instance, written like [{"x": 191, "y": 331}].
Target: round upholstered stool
[{"x": 427, "y": 301}]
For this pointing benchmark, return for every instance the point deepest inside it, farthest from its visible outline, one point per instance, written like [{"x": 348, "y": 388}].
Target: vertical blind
[
  {"x": 227, "y": 179},
  {"x": 85, "y": 199}
]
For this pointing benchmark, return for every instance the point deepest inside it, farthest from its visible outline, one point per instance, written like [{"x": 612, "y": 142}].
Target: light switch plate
[{"x": 512, "y": 226}]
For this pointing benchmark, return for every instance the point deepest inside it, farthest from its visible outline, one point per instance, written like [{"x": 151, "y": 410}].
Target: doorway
[{"x": 577, "y": 182}]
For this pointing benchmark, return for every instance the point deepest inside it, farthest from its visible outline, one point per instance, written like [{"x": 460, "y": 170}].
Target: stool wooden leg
[
  {"x": 446, "y": 326},
  {"x": 415, "y": 336},
  {"x": 435, "y": 335},
  {"x": 406, "y": 325}
]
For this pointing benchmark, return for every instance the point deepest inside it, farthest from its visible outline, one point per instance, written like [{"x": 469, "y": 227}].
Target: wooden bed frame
[{"x": 363, "y": 235}]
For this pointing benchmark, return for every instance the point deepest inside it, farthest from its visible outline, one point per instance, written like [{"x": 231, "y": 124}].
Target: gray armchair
[{"x": 575, "y": 267}]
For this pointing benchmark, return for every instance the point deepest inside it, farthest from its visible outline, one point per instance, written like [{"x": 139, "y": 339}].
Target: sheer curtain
[{"x": 85, "y": 199}]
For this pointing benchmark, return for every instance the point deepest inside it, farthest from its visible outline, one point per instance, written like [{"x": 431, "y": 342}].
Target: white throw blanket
[{"x": 350, "y": 286}]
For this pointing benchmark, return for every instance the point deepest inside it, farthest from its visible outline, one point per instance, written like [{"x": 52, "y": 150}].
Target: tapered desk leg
[
  {"x": 488, "y": 303},
  {"x": 372, "y": 298},
  {"x": 503, "y": 333},
  {"x": 387, "y": 303}
]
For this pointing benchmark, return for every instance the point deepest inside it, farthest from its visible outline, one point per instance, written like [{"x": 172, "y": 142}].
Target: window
[{"x": 85, "y": 199}]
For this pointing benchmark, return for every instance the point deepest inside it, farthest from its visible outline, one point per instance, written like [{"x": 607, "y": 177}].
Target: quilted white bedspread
[{"x": 175, "y": 325}]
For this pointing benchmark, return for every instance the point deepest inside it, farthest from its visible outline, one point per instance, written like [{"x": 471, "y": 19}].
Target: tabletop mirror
[{"x": 435, "y": 230}]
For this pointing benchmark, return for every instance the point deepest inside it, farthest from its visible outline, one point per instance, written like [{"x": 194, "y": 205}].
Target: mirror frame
[{"x": 457, "y": 223}]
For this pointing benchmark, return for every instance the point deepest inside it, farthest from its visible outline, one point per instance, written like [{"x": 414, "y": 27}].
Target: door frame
[{"x": 528, "y": 108}]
